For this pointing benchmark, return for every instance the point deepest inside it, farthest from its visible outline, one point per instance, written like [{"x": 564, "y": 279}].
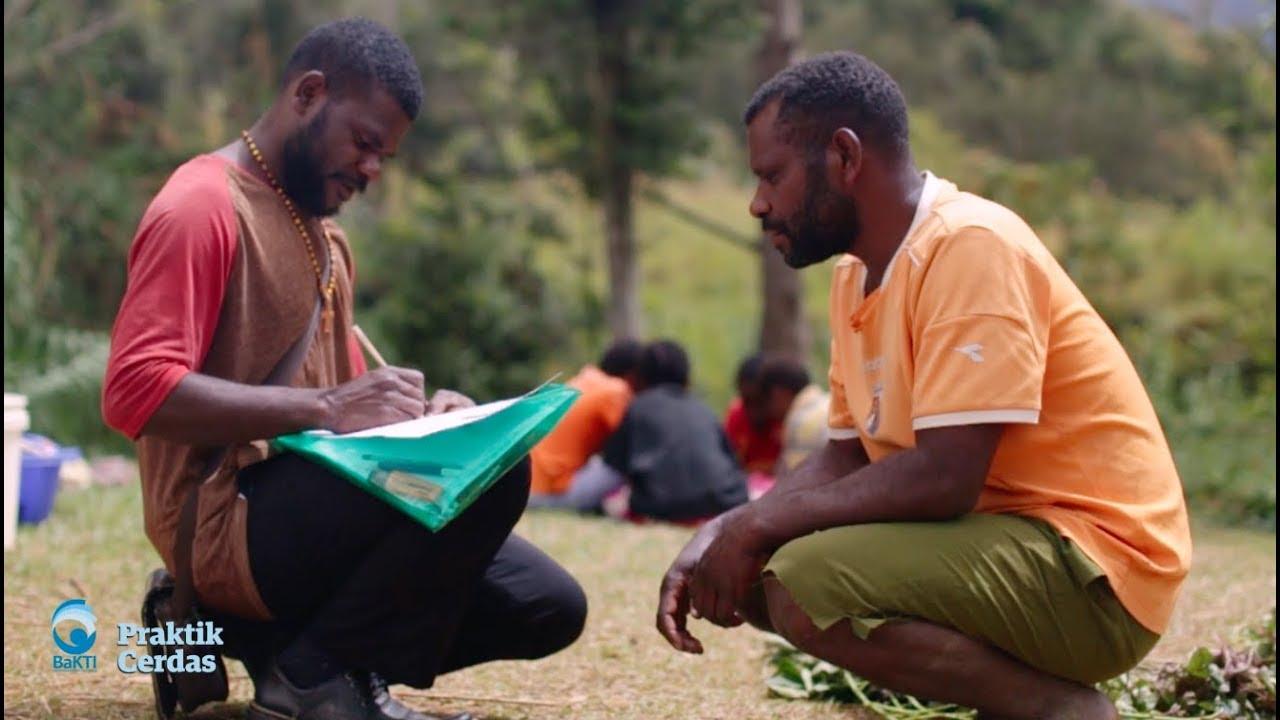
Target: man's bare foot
[{"x": 1088, "y": 704}]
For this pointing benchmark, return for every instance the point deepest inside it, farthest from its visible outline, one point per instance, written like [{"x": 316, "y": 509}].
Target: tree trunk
[
  {"x": 624, "y": 305},
  {"x": 782, "y": 325},
  {"x": 613, "y": 174}
]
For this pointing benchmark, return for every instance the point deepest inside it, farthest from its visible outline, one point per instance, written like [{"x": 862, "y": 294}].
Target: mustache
[{"x": 768, "y": 225}]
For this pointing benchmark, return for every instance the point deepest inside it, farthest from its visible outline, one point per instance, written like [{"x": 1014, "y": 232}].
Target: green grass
[{"x": 93, "y": 546}]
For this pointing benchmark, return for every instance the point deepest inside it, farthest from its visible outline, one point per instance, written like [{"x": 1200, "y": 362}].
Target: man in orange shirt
[
  {"x": 996, "y": 520},
  {"x": 566, "y": 474}
]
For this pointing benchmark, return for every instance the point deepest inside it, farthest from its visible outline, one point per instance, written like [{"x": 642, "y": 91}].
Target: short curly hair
[
  {"x": 664, "y": 362},
  {"x": 622, "y": 357},
  {"x": 785, "y": 372},
  {"x": 827, "y": 92},
  {"x": 355, "y": 53}
]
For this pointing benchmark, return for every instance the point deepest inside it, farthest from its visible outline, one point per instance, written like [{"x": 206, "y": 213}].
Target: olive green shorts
[{"x": 1011, "y": 581}]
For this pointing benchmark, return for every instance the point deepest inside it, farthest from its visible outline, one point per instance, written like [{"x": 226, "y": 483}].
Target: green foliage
[
  {"x": 1154, "y": 108},
  {"x": 1236, "y": 682},
  {"x": 798, "y": 676},
  {"x": 453, "y": 296},
  {"x": 609, "y": 84},
  {"x": 58, "y": 367}
]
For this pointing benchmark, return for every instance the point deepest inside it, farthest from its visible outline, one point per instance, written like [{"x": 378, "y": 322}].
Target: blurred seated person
[
  {"x": 799, "y": 405},
  {"x": 670, "y": 448},
  {"x": 566, "y": 471},
  {"x": 756, "y": 440}
]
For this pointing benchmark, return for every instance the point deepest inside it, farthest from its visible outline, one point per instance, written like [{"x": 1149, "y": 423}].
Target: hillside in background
[{"x": 1219, "y": 13}]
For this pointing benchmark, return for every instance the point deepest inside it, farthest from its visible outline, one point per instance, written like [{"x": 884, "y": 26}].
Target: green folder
[{"x": 434, "y": 478}]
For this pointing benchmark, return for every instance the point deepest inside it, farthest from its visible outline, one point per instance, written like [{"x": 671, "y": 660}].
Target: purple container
[{"x": 39, "y": 484}]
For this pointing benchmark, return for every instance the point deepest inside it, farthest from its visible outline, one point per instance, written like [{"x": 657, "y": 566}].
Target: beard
[
  {"x": 302, "y": 174},
  {"x": 827, "y": 224}
]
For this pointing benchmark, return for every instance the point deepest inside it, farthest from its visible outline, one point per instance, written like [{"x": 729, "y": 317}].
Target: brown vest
[{"x": 270, "y": 295}]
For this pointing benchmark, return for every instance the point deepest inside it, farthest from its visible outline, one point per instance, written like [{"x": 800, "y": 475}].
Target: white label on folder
[{"x": 412, "y": 486}]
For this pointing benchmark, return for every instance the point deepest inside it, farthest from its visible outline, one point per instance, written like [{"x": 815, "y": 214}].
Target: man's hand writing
[
  {"x": 383, "y": 396},
  {"x": 443, "y": 401}
]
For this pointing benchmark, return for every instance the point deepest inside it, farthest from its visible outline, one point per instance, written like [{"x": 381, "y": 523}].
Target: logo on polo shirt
[
  {"x": 973, "y": 351},
  {"x": 873, "y": 418}
]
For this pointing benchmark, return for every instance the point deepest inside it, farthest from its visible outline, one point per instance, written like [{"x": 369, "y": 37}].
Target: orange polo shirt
[
  {"x": 582, "y": 432},
  {"x": 976, "y": 322}
]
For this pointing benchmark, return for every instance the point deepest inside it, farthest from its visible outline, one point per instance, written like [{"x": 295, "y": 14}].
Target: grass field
[{"x": 94, "y": 547}]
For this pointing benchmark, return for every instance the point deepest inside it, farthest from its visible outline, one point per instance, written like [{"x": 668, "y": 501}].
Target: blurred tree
[
  {"x": 449, "y": 280},
  {"x": 782, "y": 326},
  {"x": 612, "y": 77},
  {"x": 448, "y": 293}
]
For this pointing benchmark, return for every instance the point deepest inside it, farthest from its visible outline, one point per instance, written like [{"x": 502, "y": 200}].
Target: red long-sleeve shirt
[{"x": 178, "y": 268}]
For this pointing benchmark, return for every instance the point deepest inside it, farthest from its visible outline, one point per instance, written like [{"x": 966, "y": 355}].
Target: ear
[
  {"x": 846, "y": 155},
  {"x": 308, "y": 93}
]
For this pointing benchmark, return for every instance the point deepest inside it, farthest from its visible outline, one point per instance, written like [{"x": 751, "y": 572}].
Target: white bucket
[{"x": 16, "y": 422}]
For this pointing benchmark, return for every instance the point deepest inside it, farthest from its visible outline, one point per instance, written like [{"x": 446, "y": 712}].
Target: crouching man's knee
[
  {"x": 566, "y": 623},
  {"x": 787, "y": 618},
  {"x": 509, "y": 495},
  {"x": 558, "y": 621},
  {"x": 516, "y": 480}
]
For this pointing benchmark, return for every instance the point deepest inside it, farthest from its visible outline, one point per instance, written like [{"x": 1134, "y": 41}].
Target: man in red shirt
[
  {"x": 756, "y": 438},
  {"x": 341, "y": 593}
]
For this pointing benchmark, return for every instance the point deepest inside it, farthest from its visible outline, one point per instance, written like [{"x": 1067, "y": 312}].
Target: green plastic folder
[{"x": 433, "y": 478}]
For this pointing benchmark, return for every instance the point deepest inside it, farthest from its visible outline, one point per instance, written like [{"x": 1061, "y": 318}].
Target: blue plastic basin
[{"x": 39, "y": 484}]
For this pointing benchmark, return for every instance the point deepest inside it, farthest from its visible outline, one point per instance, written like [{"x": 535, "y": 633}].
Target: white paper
[{"x": 424, "y": 426}]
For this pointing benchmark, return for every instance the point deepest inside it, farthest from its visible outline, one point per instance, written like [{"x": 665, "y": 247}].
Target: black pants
[{"x": 379, "y": 592}]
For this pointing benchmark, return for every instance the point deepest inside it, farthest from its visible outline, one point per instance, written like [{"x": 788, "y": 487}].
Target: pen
[{"x": 368, "y": 346}]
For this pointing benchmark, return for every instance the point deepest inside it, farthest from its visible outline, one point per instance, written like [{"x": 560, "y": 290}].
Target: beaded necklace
[{"x": 326, "y": 290}]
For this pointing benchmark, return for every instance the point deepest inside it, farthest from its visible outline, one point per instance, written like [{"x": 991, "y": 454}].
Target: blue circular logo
[{"x": 81, "y": 638}]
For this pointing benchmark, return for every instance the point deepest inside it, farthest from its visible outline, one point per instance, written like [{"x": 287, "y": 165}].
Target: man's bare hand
[
  {"x": 673, "y": 609},
  {"x": 674, "y": 596},
  {"x": 383, "y": 396},
  {"x": 444, "y": 401},
  {"x": 726, "y": 572}
]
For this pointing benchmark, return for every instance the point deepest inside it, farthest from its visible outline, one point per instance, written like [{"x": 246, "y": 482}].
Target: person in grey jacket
[{"x": 671, "y": 448}]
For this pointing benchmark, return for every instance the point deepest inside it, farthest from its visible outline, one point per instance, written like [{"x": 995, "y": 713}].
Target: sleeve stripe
[
  {"x": 834, "y": 433},
  {"x": 976, "y": 417}
]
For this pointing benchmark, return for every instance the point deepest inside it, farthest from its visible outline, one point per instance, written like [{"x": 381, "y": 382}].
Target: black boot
[
  {"x": 340, "y": 698},
  {"x": 390, "y": 708}
]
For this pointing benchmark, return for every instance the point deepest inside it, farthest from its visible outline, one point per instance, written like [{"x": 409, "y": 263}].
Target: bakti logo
[{"x": 81, "y": 630}]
